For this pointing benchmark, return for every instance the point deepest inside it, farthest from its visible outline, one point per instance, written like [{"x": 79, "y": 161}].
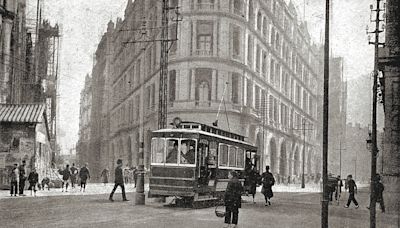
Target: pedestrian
[
  {"x": 338, "y": 190},
  {"x": 104, "y": 176},
  {"x": 66, "y": 174},
  {"x": 351, "y": 184},
  {"x": 84, "y": 174},
  {"x": 135, "y": 174},
  {"x": 268, "y": 181},
  {"x": 254, "y": 179},
  {"x": 46, "y": 181},
  {"x": 378, "y": 190},
  {"x": 119, "y": 181},
  {"x": 233, "y": 199},
  {"x": 126, "y": 174},
  {"x": 14, "y": 178},
  {"x": 22, "y": 178},
  {"x": 33, "y": 179},
  {"x": 74, "y": 174}
]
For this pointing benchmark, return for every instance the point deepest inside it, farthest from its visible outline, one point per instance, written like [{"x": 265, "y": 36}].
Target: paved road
[{"x": 294, "y": 209}]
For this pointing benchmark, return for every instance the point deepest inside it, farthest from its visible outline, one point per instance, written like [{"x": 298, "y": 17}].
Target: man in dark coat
[
  {"x": 74, "y": 173},
  {"x": 351, "y": 184},
  {"x": 33, "y": 179},
  {"x": 254, "y": 179},
  {"x": 66, "y": 174},
  {"x": 379, "y": 188},
  {"x": 233, "y": 199},
  {"x": 84, "y": 174},
  {"x": 119, "y": 181},
  {"x": 268, "y": 181},
  {"x": 22, "y": 178}
]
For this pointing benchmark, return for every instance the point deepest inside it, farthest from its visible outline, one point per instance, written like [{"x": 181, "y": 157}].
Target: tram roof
[{"x": 207, "y": 130}]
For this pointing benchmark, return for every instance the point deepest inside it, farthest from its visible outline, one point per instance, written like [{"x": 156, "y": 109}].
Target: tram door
[{"x": 207, "y": 162}]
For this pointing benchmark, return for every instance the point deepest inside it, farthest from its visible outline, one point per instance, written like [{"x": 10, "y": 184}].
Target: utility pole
[
  {"x": 340, "y": 149},
  {"x": 163, "y": 87},
  {"x": 303, "y": 129},
  {"x": 374, "y": 150},
  {"x": 325, "y": 199}
]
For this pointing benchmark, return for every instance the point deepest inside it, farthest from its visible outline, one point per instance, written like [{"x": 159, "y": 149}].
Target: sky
[{"x": 84, "y": 21}]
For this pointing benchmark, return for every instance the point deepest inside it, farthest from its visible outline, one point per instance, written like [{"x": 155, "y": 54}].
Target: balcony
[
  {"x": 204, "y": 6},
  {"x": 203, "y": 52}
]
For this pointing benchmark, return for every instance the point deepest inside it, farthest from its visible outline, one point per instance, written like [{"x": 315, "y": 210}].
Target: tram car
[{"x": 192, "y": 160}]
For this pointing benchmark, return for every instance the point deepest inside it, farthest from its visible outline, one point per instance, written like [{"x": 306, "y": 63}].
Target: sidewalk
[{"x": 91, "y": 189}]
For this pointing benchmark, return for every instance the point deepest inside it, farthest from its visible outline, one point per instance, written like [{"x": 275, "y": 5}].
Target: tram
[{"x": 192, "y": 160}]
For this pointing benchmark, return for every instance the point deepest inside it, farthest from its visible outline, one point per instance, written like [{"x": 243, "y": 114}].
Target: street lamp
[{"x": 369, "y": 142}]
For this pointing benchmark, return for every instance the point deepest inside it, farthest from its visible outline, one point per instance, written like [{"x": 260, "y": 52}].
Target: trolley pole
[
  {"x": 325, "y": 199},
  {"x": 303, "y": 184}
]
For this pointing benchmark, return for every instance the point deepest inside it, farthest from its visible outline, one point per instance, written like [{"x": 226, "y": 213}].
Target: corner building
[{"x": 254, "y": 53}]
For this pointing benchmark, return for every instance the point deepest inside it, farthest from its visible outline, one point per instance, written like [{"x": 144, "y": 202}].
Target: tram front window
[
  {"x": 187, "y": 151},
  {"x": 172, "y": 151},
  {"x": 157, "y": 150}
]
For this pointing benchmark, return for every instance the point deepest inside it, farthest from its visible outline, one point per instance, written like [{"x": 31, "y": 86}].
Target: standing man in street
[
  {"x": 14, "y": 177},
  {"x": 84, "y": 174},
  {"x": 338, "y": 192},
  {"x": 33, "y": 179},
  {"x": 22, "y": 178},
  {"x": 351, "y": 184},
  {"x": 66, "y": 174},
  {"x": 74, "y": 173},
  {"x": 268, "y": 181},
  {"x": 379, "y": 188},
  {"x": 119, "y": 181}
]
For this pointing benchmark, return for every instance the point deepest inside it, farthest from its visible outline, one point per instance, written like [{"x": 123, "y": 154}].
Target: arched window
[
  {"x": 251, "y": 12},
  {"x": 259, "y": 21},
  {"x": 265, "y": 27},
  {"x": 203, "y": 92}
]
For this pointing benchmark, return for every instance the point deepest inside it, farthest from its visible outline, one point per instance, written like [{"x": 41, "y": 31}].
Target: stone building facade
[
  {"x": 24, "y": 136},
  {"x": 255, "y": 54},
  {"x": 82, "y": 146},
  {"x": 389, "y": 64},
  {"x": 13, "y": 40},
  {"x": 337, "y": 114}
]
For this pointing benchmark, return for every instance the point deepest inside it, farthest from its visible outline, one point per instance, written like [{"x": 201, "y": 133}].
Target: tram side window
[
  {"x": 212, "y": 157},
  {"x": 232, "y": 156},
  {"x": 187, "y": 151},
  {"x": 157, "y": 150},
  {"x": 240, "y": 158},
  {"x": 172, "y": 151},
  {"x": 223, "y": 159}
]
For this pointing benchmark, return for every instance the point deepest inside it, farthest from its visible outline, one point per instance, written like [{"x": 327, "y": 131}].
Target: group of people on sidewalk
[
  {"x": 335, "y": 186},
  {"x": 70, "y": 176},
  {"x": 18, "y": 178},
  {"x": 234, "y": 190}
]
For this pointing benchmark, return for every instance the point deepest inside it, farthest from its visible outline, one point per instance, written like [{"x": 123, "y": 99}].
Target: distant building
[
  {"x": 337, "y": 113},
  {"x": 13, "y": 50},
  {"x": 24, "y": 135},
  {"x": 85, "y": 113}
]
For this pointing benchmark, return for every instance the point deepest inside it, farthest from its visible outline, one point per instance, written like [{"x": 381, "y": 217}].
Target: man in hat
[
  {"x": 22, "y": 178},
  {"x": 119, "y": 181},
  {"x": 84, "y": 174}
]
